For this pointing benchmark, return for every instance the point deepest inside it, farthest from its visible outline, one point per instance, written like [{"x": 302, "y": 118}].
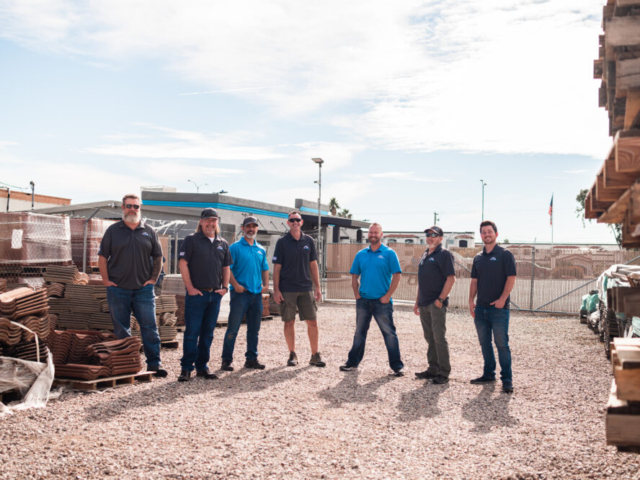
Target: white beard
[
  {"x": 132, "y": 217},
  {"x": 250, "y": 236}
]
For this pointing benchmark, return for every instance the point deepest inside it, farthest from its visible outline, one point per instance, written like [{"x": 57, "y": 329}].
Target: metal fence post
[{"x": 533, "y": 275}]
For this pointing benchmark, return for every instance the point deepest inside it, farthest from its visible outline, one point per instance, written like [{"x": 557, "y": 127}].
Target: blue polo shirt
[
  {"x": 249, "y": 261},
  {"x": 375, "y": 269}
]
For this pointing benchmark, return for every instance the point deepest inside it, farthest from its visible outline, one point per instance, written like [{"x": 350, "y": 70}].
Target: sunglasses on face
[
  {"x": 296, "y": 220},
  {"x": 432, "y": 235},
  {"x": 131, "y": 205}
]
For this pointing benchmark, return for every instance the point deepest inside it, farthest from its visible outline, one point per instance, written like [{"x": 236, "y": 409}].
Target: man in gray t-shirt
[{"x": 130, "y": 260}]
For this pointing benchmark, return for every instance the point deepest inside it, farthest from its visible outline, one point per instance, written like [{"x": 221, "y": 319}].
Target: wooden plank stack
[
  {"x": 614, "y": 196},
  {"x": 623, "y": 408}
]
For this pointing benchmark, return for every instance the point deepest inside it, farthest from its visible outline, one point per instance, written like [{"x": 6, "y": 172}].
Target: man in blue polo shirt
[
  {"x": 249, "y": 280},
  {"x": 379, "y": 271},
  {"x": 436, "y": 276},
  {"x": 493, "y": 276}
]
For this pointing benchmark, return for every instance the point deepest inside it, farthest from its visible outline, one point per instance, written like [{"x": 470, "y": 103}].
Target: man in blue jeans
[
  {"x": 204, "y": 266},
  {"x": 249, "y": 280},
  {"x": 130, "y": 260},
  {"x": 379, "y": 271},
  {"x": 493, "y": 276}
]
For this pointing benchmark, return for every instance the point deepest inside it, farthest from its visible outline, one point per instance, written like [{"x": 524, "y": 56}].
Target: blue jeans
[
  {"x": 241, "y": 304},
  {"x": 496, "y": 320},
  {"x": 383, "y": 314},
  {"x": 142, "y": 302},
  {"x": 200, "y": 318}
]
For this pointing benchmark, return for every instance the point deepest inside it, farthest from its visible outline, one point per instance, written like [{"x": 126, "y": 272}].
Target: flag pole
[{"x": 552, "y": 223}]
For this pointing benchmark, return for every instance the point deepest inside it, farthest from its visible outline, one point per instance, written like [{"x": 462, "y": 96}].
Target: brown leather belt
[{"x": 206, "y": 289}]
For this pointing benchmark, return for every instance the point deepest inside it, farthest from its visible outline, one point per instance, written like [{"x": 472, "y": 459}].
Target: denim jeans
[
  {"x": 383, "y": 314},
  {"x": 200, "y": 318},
  {"x": 241, "y": 304},
  {"x": 496, "y": 320},
  {"x": 142, "y": 302}
]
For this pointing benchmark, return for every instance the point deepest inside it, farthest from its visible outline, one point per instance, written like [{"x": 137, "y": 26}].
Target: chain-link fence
[{"x": 547, "y": 280}]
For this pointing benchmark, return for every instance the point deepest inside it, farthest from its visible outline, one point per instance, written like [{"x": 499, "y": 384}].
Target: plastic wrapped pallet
[{"x": 96, "y": 227}]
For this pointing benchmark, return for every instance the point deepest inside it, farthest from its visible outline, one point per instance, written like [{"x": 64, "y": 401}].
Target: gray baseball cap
[{"x": 249, "y": 220}]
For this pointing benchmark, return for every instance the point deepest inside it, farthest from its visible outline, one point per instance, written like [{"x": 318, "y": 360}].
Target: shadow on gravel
[
  {"x": 421, "y": 402},
  {"x": 348, "y": 390},
  {"x": 487, "y": 411},
  {"x": 169, "y": 392}
]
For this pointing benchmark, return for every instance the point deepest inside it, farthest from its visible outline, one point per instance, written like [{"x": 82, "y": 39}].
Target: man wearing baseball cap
[
  {"x": 436, "y": 276},
  {"x": 204, "y": 265},
  {"x": 249, "y": 280}
]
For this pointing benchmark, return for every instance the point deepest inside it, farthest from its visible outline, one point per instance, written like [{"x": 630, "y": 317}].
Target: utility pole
[
  {"x": 483, "y": 185},
  {"x": 435, "y": 218}
]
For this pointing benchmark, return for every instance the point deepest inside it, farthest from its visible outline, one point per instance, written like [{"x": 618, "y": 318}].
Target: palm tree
[
  {"x": 333, "y": 206},
  {"x": 345, "y": 213}
]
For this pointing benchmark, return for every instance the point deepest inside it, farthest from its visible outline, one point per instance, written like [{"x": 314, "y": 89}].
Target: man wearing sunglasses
[
  {"x": 436, "y": 276},
  {"x": 130, "y": 260},
  {"x": 295, "y": 270},
  {"x": 204, "y": 266}
]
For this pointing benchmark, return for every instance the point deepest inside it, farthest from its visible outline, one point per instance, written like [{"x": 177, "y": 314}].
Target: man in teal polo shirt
[
  {"x": 379, "y": 271},
  {"x": 249, "y": 280}
]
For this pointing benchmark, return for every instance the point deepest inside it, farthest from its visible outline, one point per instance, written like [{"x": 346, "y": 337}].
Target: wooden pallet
[
  {"x": 104, "y": 383},
  {"x": 170, "y": 345},
  {"x": 181, "y": 328},
  {"x": 623, "y": 421}
]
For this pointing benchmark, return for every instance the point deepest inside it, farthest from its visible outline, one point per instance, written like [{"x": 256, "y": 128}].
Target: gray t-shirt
[{"x": 130, "y": 254}]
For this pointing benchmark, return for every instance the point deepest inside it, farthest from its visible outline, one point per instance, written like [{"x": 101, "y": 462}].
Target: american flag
[{"x": 551, "y": 211}]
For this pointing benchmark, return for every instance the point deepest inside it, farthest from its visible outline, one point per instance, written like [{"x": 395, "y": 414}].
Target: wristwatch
[{"x": 441, "y": 300}]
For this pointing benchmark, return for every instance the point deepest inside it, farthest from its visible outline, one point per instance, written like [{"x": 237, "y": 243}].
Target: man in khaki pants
[{"x": 436, "y": 276}]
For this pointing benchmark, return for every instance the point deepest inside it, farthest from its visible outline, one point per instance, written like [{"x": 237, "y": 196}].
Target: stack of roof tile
[
  {"x": 55, "y": 290},
  {"x": 120, "y": 356},
  {"x": 70, "y": 346},
  {"x": 23, "y": 301},
  {"x": 174, "y": 285},
  {"x": 29, "y": 351},
  {"x": 39, "y": 325},
  {"x": 166, "y": 303},
  {"x": 82, "y": 372},
  {"x": 3, "y": 285},
  {"x": 10, "y": 334},
  {"x": 62, "y": 274}
]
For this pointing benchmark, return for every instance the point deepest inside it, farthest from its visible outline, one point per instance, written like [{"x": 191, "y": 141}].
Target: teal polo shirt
[
  {"x": 375, "y": 270},
  {"x": 249, "y": 261}
]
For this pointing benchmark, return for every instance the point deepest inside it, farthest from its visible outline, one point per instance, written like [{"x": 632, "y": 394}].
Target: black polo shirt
[
  {"x": 294, "y": 256},
  {"x": 130, "y": 254},
  {"x": 492, "y": 270},
  {"x": 205, "y": 259},
  {"x": 432, "y": 274}
]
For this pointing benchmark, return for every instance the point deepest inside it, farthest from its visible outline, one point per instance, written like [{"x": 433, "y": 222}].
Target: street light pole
[
  {"x": 198, "y": 186},
  {"x": 33, "y": 188},
  {"x": 483, "y": 185},
  {"x": 319, "y": 161}
]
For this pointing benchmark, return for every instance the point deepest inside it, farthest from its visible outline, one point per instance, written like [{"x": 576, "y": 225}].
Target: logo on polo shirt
[
  {"x": 494, "y": 259},
  {"x": 306, "y": 247},
  {"x": 145, "y": 234},
  {"x": 381, "y": 256},
  {"x": 432, "y": 259},
  {"x": 182, "y": 254},
  {"x": 275, "y": 258},
  {"x": 220, "y": 247}
]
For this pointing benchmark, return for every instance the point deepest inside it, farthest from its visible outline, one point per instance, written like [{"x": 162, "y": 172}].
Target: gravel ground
[{"x": 306, "y": 422}]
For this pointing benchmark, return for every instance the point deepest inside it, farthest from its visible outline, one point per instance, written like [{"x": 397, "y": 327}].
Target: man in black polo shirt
[
  {"x": 204, "y": 265},
  {"x": 295, "y": 264},
  {"x": 493, "y": 276},
  {"x": 130, "y": 260},
  {"x": 436, "y": 276}
]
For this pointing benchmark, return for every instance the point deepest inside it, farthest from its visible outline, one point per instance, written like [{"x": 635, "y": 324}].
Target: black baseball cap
[
  {"x": 209, "y": 213},
  {"x": 435, "y": 229},
  {"x": 249, "y": 220}
]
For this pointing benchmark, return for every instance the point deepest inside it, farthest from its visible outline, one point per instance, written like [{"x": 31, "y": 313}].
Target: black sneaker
[
  {"x": 226, "y": 366},
  {"x": 482, "y": 379},
  {"x": 159, "y": 372},
  {"x": 398, "y": 373},
  {"x": 441, "y": 380},
  {"x": 347, "y": 368},
  {"x": 293, "y": 360},
  {"x": 426, "y": 375},
  {"x": 206, "y": 374},
  {"x": 507, "y": 387},
  {"x": 316, "y": 361},
  {"x": 254, "y": 364},
  {"x": 185, "y": 376}
]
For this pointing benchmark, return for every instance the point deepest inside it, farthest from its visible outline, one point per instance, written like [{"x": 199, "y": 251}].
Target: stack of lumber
[
  {"x": 623, "y": 408},
  {"x": 614, "y": 196}
]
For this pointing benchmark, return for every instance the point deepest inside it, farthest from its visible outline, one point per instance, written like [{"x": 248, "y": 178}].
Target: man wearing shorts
[{"x": 295, "y": 271}]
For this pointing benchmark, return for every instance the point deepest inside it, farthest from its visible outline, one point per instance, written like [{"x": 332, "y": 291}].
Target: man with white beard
[
  {"x": 249, "y": 280},
  {"x": 130, "y": 260}
]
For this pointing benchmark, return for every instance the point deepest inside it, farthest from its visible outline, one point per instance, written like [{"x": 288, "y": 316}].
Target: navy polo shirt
[
  {"x": 248, "y": 263},
  {"x": 433, "y": 271},
  {"x": 295, "y": 256},
  {"x": 375, "y": 269},
  {"x": 130, "y": 254},
  {"x": 491, "y": 270},
  {"x": 205, "y": 259}
]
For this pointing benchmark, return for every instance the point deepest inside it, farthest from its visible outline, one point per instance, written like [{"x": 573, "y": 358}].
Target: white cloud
[
  {"x": 4, "y": 145},
  {"x": 408, "y": 176},
  {"x": 506, "y": 76}
]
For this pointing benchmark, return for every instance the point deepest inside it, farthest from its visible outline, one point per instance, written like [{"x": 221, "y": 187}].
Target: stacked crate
[{"x": 623, "y": 409}]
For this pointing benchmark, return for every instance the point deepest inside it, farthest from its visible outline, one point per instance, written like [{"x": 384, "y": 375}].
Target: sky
[{"x": 410, "y": 104}]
